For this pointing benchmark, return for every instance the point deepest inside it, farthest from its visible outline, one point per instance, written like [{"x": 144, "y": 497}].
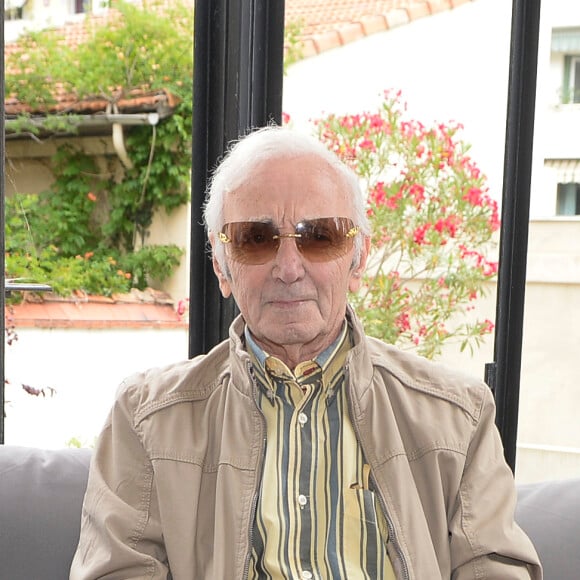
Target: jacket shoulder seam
[
  {"x": 149, "y": 408},
  {"x": 427, "y": 387}
]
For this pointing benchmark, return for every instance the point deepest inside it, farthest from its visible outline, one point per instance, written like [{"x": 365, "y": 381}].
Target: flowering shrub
[
  {"x": 48, "y": 239},
  {"x": 432, "y": 227}
]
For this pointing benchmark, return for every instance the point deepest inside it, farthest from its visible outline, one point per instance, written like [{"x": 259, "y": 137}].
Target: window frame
[
  {"x": 566, "y": 205},
  {"x": 574, "y": 79}
]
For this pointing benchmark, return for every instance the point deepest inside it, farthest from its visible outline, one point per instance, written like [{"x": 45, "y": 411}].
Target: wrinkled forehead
[
  {"x": 272, "y": 168},
  {"x": 288, "y": 188}
]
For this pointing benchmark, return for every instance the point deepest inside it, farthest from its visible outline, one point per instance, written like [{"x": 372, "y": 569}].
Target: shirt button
[
  {"x": 306, "y": 574},
  {"x": 302, "y": 500},
  {"x": 302, "y": 419}
]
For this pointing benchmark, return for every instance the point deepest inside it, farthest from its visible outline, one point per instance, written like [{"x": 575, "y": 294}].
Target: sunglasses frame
[{"x": 312, "y": 253}]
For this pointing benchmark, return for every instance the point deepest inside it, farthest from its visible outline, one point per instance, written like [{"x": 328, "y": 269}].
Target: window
[
  {"x": 568, "y": 199},
  {"x": 82, "y": 6},
  {"x": 566, "y": 43},
  {"x": 13, "y": 9},
  {"x": 574, "y": 79},
  {"x": 566, "y": 173},
  {"x": 13, "y": 14}
]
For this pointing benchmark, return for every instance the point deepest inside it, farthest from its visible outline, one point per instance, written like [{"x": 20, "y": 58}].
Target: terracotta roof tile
[
  {"x": 372, "y": 23},
  {"x": 150, "y": 308},
  {"x": 351, "y": 32},
  {"x": 92, "y": 315},
  {"x": 137, "y": 100}
]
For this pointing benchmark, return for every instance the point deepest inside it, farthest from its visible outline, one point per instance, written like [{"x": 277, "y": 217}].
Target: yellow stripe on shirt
[{"x": 316, "y": 516}]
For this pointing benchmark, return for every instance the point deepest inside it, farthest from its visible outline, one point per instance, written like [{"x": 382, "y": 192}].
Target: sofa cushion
[
  {"x": 41, "y": 494},
  {"x": 550, "y": 514}
]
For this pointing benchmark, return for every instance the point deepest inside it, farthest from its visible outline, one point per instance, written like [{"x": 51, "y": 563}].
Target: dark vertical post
[
  {"x": 503, "y": 375},
  {"x": 2, "y": 242},
  {"x": 237, "y": 86}
]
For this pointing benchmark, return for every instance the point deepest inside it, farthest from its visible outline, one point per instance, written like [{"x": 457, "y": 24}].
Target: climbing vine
[{"x": 88, "y": 229}]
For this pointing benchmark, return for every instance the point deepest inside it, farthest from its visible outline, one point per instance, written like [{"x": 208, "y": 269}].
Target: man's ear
[
  {"x": 223, "y": 279},
  {"x": 356, "y": 274}
]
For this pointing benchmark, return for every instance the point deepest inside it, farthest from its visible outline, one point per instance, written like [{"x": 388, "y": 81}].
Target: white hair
[{"x": 264, "y": 144}]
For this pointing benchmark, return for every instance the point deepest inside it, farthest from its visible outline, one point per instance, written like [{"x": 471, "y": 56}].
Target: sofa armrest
[
  {"x": 549, "y": 512},
  {"x": 41, "y": 494}
]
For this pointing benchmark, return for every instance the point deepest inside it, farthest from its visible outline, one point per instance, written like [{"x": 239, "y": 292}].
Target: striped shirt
[{"x": 316, "y": 517}]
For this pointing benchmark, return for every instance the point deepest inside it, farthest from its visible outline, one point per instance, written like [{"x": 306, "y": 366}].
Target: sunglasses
[{"x": 318, "y": 240}]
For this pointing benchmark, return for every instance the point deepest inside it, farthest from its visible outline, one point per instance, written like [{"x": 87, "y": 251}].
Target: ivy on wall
[{"x": 87, "y": 230}]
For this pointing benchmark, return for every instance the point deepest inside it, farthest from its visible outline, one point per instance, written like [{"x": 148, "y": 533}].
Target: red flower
[
  {"x": 367, "y": 144},
  {"x": 393, "y": 201},
  {"x": 403, "y": 323},
  {"x": 490, "y": 268},
  {"x": 419, "y": 234},
  {"x": 474, "y": 196},
  {"x": 448, "y": 224},
  {"x": 378, "y": 195},
  {"x": 417, "y": 191},
  {"x": 488, "y": 326}
]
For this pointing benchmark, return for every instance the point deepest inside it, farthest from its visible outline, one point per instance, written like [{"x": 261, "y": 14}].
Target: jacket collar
[{"x": 358, "y": 357}]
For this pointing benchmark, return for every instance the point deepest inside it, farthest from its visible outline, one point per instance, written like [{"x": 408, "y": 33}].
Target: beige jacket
[{"x": 176, "y": 471}]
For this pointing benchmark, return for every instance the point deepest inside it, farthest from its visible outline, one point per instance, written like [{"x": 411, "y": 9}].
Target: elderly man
[{"x": 298, "y": 448}]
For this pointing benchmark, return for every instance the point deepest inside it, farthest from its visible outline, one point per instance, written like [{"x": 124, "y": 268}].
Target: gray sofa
[{"x": 41, "y": 492}]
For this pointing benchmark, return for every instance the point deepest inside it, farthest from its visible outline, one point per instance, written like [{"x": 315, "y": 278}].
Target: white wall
[
  {"x": 174, "y": 228},
  {"x": 39, "y": 14},
  {"x": 453, "y": 65},
  {"x": 556, "y": 126},
  {"x": 85, "y": 367},
  {"x": 549, "y": 434}
]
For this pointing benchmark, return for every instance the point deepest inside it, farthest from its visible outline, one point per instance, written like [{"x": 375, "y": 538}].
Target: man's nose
[{"x": 289, "y": 262}]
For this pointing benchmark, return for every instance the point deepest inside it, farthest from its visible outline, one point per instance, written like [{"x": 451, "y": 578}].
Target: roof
[
  {"x": 137, "y": 309},
  {"x": 327, "y": 24},
  {"x": 323, "y": 25}
]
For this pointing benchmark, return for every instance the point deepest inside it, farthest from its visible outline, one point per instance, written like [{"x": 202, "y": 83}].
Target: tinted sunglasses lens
[
  {"x": 251, "y": 242},
  {"x": 319, "y": 240},
  {"x": 325, "y": 239}
]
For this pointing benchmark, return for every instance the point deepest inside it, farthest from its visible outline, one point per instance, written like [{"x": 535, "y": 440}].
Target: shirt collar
[{"x": 327, "y": 363}]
